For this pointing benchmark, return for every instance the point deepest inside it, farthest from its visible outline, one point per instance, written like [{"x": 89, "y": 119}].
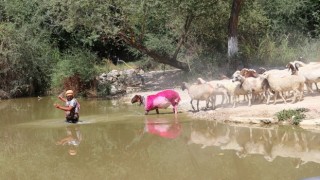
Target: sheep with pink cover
[{"x": 161, "y": 100}]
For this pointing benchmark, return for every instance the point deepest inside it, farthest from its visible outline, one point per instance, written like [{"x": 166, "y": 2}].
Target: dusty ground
[{"x": 257, "y": 113}]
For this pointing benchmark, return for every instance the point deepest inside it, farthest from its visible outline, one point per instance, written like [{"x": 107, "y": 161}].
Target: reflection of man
[
  {"x": 163, "y": 127},
  {"x": 72, "y": 139}
]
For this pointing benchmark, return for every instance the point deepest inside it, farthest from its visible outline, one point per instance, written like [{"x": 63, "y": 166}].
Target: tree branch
[{"x": 187, "y": 25}]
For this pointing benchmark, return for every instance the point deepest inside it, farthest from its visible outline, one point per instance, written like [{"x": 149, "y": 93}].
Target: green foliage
[
  {"x": 74, "y": 62},
  {"x": 26, "y": 59},
  {"x": 36, "y": 35},
  {"x": 294, "y": 116}
]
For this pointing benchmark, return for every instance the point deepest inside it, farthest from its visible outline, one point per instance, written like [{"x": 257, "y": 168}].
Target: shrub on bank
[{"x": 294, "y": 116}]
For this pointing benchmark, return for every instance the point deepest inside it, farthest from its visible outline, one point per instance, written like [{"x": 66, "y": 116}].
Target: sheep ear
[
  {"x": 297, "y": 65},
  {"x": 288, "y": 66}
]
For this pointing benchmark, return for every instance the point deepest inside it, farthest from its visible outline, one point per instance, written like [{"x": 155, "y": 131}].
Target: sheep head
[
  {"x": 136, "y": 98},
  {"x": 184, "y": 86},
  {"x": 236, "y": 74},
  {"x": 238, "y": 77},
  {"x": 265, "y": 75},
  {"x": 294, "y": 67},
  {"x": 200, "y": 81},
  {"x": 261, "y": 70}
]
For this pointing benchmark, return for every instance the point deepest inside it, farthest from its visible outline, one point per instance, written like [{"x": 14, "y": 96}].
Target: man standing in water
[{"x": 71, "y": 108}]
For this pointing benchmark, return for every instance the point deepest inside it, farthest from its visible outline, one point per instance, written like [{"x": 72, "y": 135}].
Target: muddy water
[{"x": 116, "y": 141}]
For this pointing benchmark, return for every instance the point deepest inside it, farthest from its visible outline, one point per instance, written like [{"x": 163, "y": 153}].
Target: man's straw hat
[{"x": 69, "y": 93}]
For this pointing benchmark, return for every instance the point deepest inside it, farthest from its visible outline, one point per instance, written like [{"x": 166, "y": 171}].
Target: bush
[
  {"x": 294, "y": 116},
  {"x": 25, "y": 60},
  {"x": 75, "y": 64}
]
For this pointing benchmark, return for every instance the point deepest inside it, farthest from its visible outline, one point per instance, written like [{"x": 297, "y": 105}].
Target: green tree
[{"x": 159, "y": 29}]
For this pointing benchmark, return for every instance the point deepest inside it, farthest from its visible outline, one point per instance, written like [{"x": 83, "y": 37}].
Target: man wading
[{"x": 71, "y": 108}]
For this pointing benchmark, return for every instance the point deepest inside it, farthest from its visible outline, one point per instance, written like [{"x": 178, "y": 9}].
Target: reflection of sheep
[
  {"x": 161, "y": 100},
  {"x": 199, "y": 92},
  {"x": 280, "y": 84}
]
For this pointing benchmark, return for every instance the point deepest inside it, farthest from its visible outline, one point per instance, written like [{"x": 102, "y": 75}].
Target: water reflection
[
  {"x": 163, "y": 127},
  {"x": 72, "y": 140},
  {"x": 270, "y": 142}
]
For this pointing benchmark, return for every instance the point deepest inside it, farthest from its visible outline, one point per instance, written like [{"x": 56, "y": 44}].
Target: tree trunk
[{"x": 233, "y": 34}]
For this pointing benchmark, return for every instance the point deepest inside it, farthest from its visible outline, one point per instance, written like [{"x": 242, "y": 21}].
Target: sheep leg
[
  {"x": 192, "y": 105},
  {"x": 234, "y": 101},
  {"x": 301, "y": 96},
  {"x": 213, "y": 99},
  {"x": 295, "y": 92},
  {"x": 227, "y": 98},
  {"x": 268, "y": 93},
  {"x": 275, "y": 97},
  {"x": 197, "y": 105},
  {"x": 222, "y": 99},
  {"x": 316, "y": 86},
  {"x": 175, "y": 109},
  {"x": 157, "y": 110},
  {"x": 207, "y": 103},
  {"x": 281, "y": 95},
  {"x": 300, "y": 91},
  {"x": 249, "y": 98},
  {"x": 309, "y": 86}
]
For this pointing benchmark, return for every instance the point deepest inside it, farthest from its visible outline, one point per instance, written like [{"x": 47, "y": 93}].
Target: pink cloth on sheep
[{"x": 162, "y": 100}]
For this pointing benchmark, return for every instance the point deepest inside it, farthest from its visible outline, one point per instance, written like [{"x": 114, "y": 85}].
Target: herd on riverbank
[
  {"x": 253, "y": 86},
  {"x": 293, "y": 82}
]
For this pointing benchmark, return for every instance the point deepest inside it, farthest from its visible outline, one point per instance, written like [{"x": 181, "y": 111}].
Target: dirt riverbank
[{"x": 258, "y": 113}]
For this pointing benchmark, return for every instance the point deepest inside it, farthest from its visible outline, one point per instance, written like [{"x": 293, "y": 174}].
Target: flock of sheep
[{"x": 258, "y": 85}]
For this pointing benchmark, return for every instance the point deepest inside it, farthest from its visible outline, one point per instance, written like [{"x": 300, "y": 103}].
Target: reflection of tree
[
  {"x": 72, "y": 140},
  {"x": 269, "y": 142}
]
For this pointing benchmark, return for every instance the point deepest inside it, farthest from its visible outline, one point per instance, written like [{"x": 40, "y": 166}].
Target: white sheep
[
  {"x": 310, "y": 71},
  {"x": 279, "y": 73},
  {"x": 252, "y": 85},
  {"x": 199, "y": 92},
  {"x": 219, "y": 89},
  {"x": 234, "y": 90},
  {"x": 283, "y": 83}
]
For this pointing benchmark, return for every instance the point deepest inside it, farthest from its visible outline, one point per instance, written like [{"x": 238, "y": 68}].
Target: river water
[{"x": 114, "y": 140}]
